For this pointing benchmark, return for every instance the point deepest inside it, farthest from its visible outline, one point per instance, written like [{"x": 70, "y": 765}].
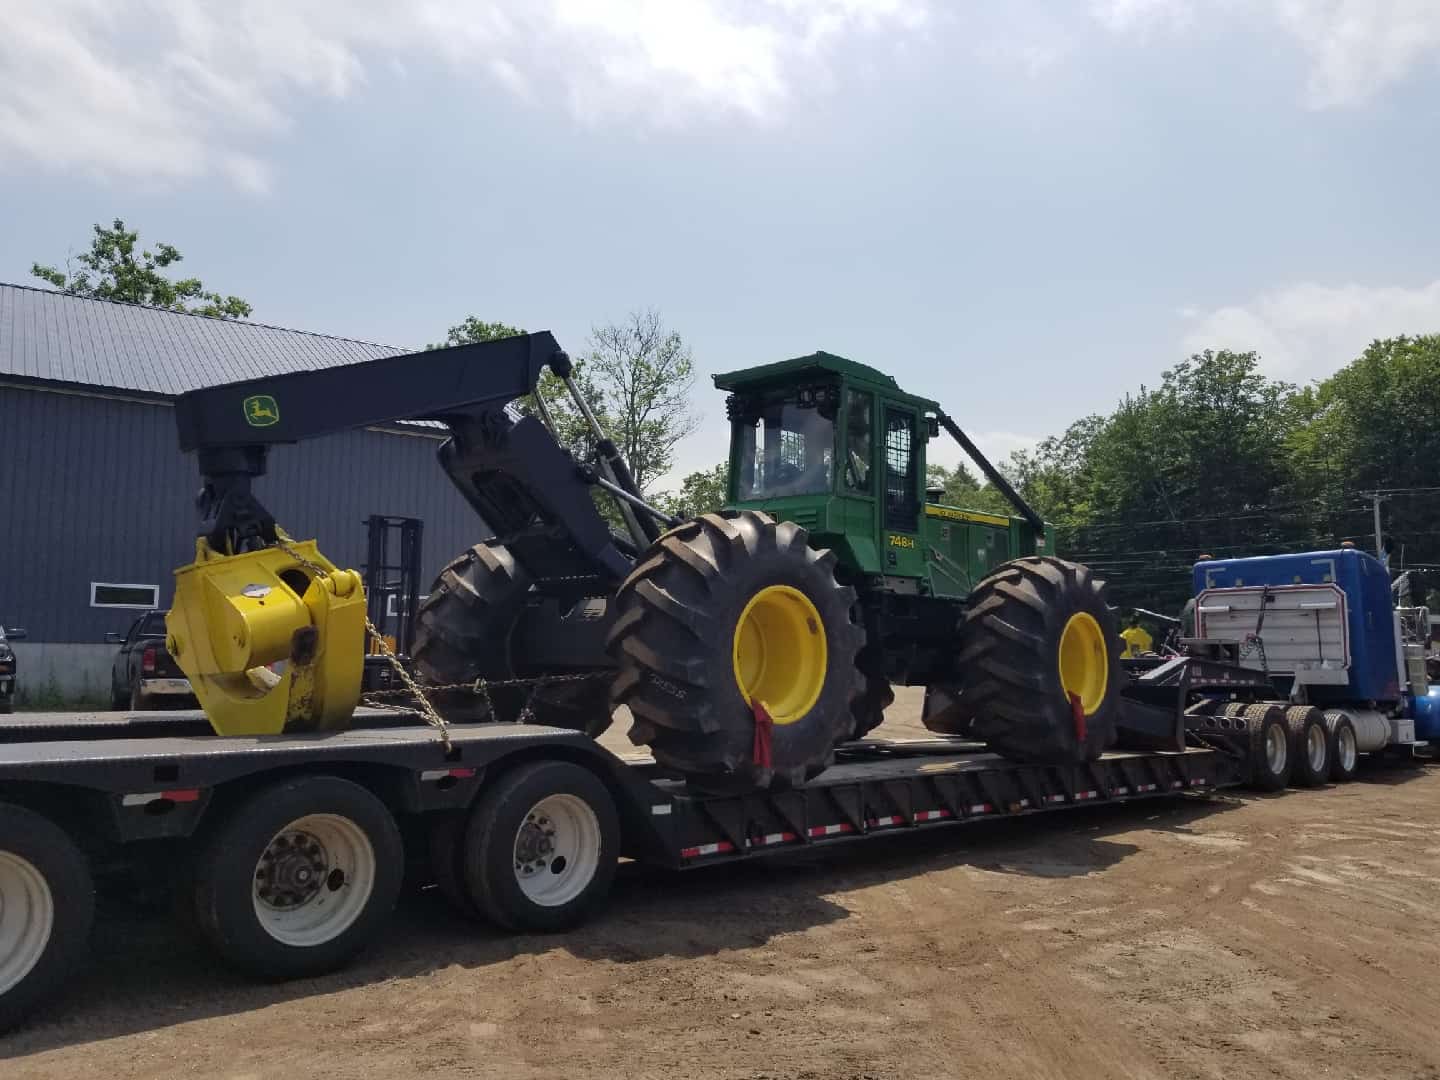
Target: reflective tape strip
[
  {"x": 777, "y": 838},
  {"x": 1122, "y": 791},
  {"x": 831, "y": 830},
  {"x": 893, "y": 819},
  {"x": 981, "y": 808},
  {"x": 1087, "y": 795},
  {"x": 440, "y": 774},
  {"x": 661, "y": 809},
  {"x": 1198, "y": 782},
  {"x": 706, "y": 849},
  {"x": 1177, "y": 783},
  {"x": 1054, "y": 798},
  {"x": 932, "y": 815},
  {"x": 1147, "y": 787},
  {"x": 147, "y": 797}
]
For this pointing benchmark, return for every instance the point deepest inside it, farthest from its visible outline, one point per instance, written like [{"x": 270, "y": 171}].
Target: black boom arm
[{"x": 511, "y": 470}]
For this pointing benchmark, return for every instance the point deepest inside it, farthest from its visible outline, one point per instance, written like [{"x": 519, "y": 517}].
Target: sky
[{"x": 1021, "y": 208}]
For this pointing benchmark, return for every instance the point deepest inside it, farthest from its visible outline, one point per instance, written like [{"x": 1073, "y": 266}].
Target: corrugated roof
[{"x": 58, "y": 338}]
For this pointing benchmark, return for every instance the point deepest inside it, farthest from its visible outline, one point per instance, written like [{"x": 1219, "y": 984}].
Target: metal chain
[
  {"x": 412, "y": 689},
  {"x": 427, "y": 710}
]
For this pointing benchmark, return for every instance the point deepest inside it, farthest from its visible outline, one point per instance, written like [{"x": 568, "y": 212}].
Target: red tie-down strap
[
  {"x": 1077, "y": 710},
  {"x": 764, "y": 727}
]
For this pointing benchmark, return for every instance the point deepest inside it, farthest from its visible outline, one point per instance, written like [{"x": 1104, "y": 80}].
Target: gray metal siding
[{"x": 94, "y": 489}]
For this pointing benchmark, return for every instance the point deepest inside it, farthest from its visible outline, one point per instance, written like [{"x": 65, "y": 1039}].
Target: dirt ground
[{"x": 1245, "y": 936}]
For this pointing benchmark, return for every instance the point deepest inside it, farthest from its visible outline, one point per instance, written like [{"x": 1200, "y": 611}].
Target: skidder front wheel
[
  {"x": 725, "y": 616},
  {"x": 1039, "y": 667}
]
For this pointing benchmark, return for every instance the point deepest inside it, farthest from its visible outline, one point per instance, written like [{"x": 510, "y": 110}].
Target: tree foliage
[
  {"x": 700, "y": 492},
  {"x": 113, "y": 270}
]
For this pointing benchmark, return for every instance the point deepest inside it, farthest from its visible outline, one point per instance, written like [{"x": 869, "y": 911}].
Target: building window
[{"x": 106, "y": 594}]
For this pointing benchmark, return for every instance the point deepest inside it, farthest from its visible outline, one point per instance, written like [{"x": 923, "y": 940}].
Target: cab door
[{"x": 900, "y": 474}]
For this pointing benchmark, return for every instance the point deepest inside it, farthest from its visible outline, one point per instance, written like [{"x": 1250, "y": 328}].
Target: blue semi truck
[{"x": 1324, "y": 628}]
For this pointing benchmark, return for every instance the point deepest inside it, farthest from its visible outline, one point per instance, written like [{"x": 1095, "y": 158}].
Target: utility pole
[{"x": 1377, "y": 499}]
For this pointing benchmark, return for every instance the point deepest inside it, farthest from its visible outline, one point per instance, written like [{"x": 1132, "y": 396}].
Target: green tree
[
  {"x": 644, "y": 374},
  {"x": 700, "y": 492},
  {"x": 959, "y": 487},
  {"x": 112, "y": 270}
]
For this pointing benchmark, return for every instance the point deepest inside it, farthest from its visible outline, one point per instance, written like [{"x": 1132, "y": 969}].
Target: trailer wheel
[
  {"x": 1309, "y": 745},
  {"x": 462, "y": 633},
  {"x": 1038, "y": 639},
  {"x": 725, "y": 612},
  {"x": 47, "y": 906},
  {"x": 541, "y": 847},
  {"x": 1270, "y": 756},
  {"x": 299, "y": 877},
  {"x": 447, "y": 857},
  {"x": 1344, "y": 747}
]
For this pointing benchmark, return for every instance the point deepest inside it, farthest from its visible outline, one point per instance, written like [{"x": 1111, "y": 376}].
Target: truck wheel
[
  {"x": 541, "y": 847},
  {"x": 1344, "y": 747},
  {"x": 47, "y": 906},
  {"x": 725, "y": 612},
  {"x": 299, "y": 877},
  {"x": 1038, "y": 645},
  {"x": 1270, "y": 756},
  {"x": 462, "y": 633},
  {"x": 1309, "y": 745}
]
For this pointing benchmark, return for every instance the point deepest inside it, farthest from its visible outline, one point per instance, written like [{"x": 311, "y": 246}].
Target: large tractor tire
[
  {"x": 725, "y": 612},
  {"x": 463, "y": 631},
  {"x": 869, "y": 708},
  {"x": 1039, "y": 664}
]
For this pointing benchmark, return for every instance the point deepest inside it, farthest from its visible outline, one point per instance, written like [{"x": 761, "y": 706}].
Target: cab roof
[{"x": 787, "y": 370}]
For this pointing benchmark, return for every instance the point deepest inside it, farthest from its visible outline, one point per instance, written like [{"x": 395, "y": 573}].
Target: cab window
[
  {"x": 787, "y": 450},
  {"x": 859, "y": 440}
]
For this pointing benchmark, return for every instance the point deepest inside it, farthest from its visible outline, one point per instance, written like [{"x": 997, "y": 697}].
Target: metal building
[{"x": 97, "y": 502}]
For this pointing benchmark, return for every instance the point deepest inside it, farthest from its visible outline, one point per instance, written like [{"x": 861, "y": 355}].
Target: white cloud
[
  {"x": 1356, "y": 48},
  {"x": 1308, "y": 331},
  {"x": 169, "y": 90}
]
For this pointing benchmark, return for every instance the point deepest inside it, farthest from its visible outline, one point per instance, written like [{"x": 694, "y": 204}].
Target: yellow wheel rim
[
  {"x": 1084, "y": 661},
  {"x": 780, "y": 652}
]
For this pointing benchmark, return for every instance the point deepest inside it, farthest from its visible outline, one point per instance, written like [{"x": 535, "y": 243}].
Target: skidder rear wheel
[
  {"x": 463, "y": 631},
  {"x": 1039, "y": 668},
  {"x": 726, "y": 612}
]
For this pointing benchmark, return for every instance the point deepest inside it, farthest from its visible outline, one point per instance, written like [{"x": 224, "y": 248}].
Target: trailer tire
[
  {"x": 1035, "y": 632},
  {"x": 1271, "y": 759},
  {"x": 1344, "y": 747},
  {"x": 447, "y": 858},
  {"x": 541, "y": 847},
  {"x": 298, "y": 878},
  {"x": 725, "y": 610},
  {"x": 462, "y": 633},
  {"x": 47, "y": 907},
  {"x": 1309, "y": 746}
]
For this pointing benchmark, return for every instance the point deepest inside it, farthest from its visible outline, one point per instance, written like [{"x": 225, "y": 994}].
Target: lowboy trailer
[{"x": 287, "y": 852}]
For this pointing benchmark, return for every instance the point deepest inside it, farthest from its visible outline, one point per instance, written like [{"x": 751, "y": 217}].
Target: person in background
[{"x": 1137, "y": 639}]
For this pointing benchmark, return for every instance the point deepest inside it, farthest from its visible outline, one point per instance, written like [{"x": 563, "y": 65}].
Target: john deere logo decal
[{"x": 261, "y": 411}]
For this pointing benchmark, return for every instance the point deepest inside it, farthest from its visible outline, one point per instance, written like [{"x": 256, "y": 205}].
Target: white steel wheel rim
[
  {"x": 313, "y": 880},
  {"x": 1275, "y": 748},
  {"x": 27, "y": 917},
  {"x": 1315, "y": 747},
  {"x": 1345, "y": 747},
  {"x": 557, "y": 850}
]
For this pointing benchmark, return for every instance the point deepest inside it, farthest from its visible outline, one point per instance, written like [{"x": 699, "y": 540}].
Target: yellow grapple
[{"x": 269, "y": 643}]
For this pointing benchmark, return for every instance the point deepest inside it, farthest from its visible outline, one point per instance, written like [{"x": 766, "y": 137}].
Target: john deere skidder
[{"x": 747, "y": 644}]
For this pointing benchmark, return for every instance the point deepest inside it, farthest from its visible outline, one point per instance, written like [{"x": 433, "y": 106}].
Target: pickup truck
[
  {"x": 7, "y": 667},
  {"x": 143, "y": 674}
]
